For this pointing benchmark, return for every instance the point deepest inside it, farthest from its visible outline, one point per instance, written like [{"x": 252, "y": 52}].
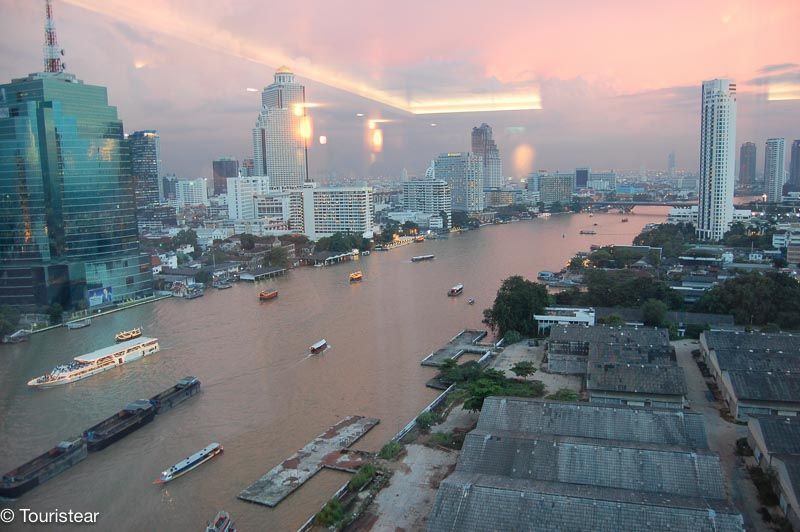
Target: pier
[
  {"x": 329, "y": 449},
  {"x": 258, "y": 274},
  {"x": 464, "y": 342}
]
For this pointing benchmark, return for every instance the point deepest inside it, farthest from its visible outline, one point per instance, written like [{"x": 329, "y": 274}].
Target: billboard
[{"x": 100, "y": 296}]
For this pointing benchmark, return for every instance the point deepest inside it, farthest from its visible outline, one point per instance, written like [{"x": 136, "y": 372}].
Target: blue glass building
[{"x": 68, "y": 231}]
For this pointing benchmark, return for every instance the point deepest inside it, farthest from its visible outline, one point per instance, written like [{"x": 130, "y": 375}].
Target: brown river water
[{"x": 263, "y": 397}]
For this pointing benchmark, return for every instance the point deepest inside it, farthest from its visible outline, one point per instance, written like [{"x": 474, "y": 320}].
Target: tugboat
[
  {"x": 222, "y": 523},
  {"x": 266, "y": 295},
  {"x": 187, "y": 464},
  {"x": 456, "y": 290},
  {"x": 356, "y": 276},
  {"x": 318, "y": 347},
  {"x": 124, "y": 336}
]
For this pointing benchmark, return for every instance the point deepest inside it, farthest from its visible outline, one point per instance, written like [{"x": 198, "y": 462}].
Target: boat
[
  {"x": 456, "y": 290},
  {"x": 594, "y": 247},
  {"x": 266, "y": 295},
  {"x": 222, "y": 523},
  {"x": 16, "y": 337},
  {"x": 420, "y": 258},
  {"x": 356, "y": 276},
  {"x": 420, "y": 238},
  {"x": 96, "y": 362},
  {"x": 124, "y": 336},
  {"x": 471, "y": 301},
  {"x": 78, "y": 324},
  {"x": 193, "y": 293},
  {"x": 222, "y": 284},
  {"x": 175, "y": 395},
  {"x": 42, "y": 468},
  {"x": 545, "y": 275},
  {"x": 318, "y": 347},
  {"x": 624, "y": 220},
  {"x": 134, "y": 416},
  {"x": 187, "y": 464},
  {"x": 588, "y": 232},
  {"x": 595, "y": 224}
]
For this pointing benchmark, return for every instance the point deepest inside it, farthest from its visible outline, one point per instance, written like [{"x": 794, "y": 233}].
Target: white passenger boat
[
  {"x": 97, "y": 362},
  {"x": 187, "y": 464}
]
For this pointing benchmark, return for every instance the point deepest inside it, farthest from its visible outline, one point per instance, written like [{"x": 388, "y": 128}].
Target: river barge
[
  {"x": 42, "y": 468},
  {"x": 420, "y": 258},
  {"x": 172, "y": 397},
  {"x": 132, "y": 417}
]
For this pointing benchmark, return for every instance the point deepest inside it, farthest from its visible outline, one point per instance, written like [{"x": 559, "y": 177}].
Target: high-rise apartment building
[
  {"x": 484, "y": 145},
  {"x": 774, "y": 169},
  {"x": 191, "y": 192},
  {"x": 329, "y": 210},
  {"x": 145, "y": 148},
  {"x": 747, "y": 164},
  {"x": 241, "y": 191},
  {"x": 68, "y": 231},
  {"x": 428, "y": 196},
  {"x": 281, "y": 133},
  {"x": 717, "y": 158},
  {"x": 671, "y": 164},
  {"x": 794, "y": 168},
  {"x": 463, "y": 171},
  {"x": 222, "y": 169},
  {"x": 556, "y": 188}
]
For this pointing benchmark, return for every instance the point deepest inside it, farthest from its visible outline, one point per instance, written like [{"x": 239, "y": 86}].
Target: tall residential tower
[
  {"x": 747, "y": 164},
  {"x": 484, "y": 145},
  {"x": 794, "y": 168},
  {"x": 774, "y": 169},
  {"x": 464, "y": 173},
  {"x": 717, "y": 158}
]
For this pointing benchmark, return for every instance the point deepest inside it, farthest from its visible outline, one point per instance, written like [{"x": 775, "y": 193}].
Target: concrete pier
[
  {"x": 329, "y": 449},
  {"x": 464, "y": 342}
]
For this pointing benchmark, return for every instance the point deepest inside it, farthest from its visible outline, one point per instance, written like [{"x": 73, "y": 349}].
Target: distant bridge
[{"x": 633, "y": 203}]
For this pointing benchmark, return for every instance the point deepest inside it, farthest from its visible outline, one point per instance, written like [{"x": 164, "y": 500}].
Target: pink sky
[{"x": 619, "y": 81}]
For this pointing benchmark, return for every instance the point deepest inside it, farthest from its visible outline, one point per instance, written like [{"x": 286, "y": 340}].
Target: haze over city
[{"x": 612, "y": 95}]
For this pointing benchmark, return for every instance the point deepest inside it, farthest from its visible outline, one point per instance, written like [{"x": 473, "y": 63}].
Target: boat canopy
[{"x": 112, "y": 349}]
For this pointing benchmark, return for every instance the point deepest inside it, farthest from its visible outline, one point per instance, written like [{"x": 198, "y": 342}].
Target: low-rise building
[
  {"x": 776, "y": 446},
  {"x": 564, "y": 316}
]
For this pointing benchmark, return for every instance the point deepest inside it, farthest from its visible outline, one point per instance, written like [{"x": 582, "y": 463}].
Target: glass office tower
[{"x": 68, "y": 230}]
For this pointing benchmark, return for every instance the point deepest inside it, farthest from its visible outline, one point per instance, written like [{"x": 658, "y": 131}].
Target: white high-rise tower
[
  {"x": 281, "y": 135},
  {"x": 717, "y": 158},
  {"x": 774, "y": 169}
]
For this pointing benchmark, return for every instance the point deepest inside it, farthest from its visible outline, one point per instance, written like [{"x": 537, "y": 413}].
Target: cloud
[{"x": 777, "y": 68}]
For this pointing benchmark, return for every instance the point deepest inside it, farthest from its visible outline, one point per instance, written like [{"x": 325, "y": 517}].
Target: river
[{"x": 263, "y": 397}]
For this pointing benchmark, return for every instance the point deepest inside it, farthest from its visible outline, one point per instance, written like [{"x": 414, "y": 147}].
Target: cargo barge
[
  {"x": 172, "y": 397},
  {"x": 42, "y": 468},
  {"x": 132, "y": 417}
]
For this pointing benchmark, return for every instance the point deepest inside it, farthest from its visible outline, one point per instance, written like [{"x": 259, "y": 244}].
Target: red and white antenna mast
[{"x": 52, "y": 53}]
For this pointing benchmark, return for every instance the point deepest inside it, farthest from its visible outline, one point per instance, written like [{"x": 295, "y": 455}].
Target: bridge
[{"x": 633, "y": 203}]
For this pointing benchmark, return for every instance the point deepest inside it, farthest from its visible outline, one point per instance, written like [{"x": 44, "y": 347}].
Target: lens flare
[
  {"x": 323, "y": 139},
  {"x": 306, "y": 129},
  {"x": 522, "y": 158},
  {"x": 377, "y": 140}
]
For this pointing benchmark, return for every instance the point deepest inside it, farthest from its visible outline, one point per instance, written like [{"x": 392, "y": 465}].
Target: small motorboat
[
  {"x": 187, "y": 464},
  {"x": 124, "y": 336},
  {"x": 456, "y": 290},
  {"x": 222, "y": 523},
  {"x": 266, "y": 295},
  {"x": 471, "y": 301},
  {"x": 318, "y": 347},
  {"x": 356, "y": 276},
  {"x": 78, "y": 324}
]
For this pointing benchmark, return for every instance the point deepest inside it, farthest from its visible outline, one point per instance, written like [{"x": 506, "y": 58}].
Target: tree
[
  {"x": 443, "y": 216},
  {"x": 277, "y": 256},
  {"x": 523, "y": 368},
  {"x": 654, "y": 313},
  {"x": 756, "y": 299},
  {"x": 564, "y": 394},
  {"x": 9, "y": 320},
  {"x": 55, "y": 312},
  {"x": 460, "y": 219},
  {"x": 187, "y": 236},
  {"x": 247, "y": 241},
  {"x": 410, "y": 227},
  {"x": 613, "y": 320},
  {"x": 517, "y": 300}
]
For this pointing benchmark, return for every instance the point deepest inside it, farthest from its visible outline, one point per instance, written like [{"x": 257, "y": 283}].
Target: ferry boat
[
  {"x": 187, "y": 464},
  {"x": 266, "y": 295},
  {"x": 222, "y": 523},
  {"x": 97, "y": 362},
  {"x": 78, "y": 324},
  {"x": 420, "y": 238},
  {"x": 456, "y": 290},
  {"x": 588, "y": 232},
  {"x": 172, "y": 397},
  {"x": 545, "y": 275},
  {"x": 42, "y": 468},
  {"x": 624, "y": 220},
  {"x": 134, "y": 416},
  {"x": 124, "y": 336},
  {"x": 356, "y": 276},
  {"x": 420, "y": 258},
  {"x": 318, "y": 347}
]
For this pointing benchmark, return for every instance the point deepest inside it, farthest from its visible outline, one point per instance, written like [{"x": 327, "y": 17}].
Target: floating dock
[
  {"x": 329, "y": 449},
  {"x": 464, "y": 342}
]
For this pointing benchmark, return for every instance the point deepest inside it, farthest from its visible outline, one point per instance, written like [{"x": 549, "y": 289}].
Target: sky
[{"x": 609, "y": 85}]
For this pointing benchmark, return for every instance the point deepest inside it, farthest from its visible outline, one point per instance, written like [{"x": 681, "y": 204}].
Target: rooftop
[
  {"x": 636, "y": 378},
  {"x": 770, "y": 386},
  {"x": 781, "y": 434},
  {"x": 744, "y": 341}
]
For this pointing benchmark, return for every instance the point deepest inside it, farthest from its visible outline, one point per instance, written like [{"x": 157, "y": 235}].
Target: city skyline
[{"x": 623, "y": 116}]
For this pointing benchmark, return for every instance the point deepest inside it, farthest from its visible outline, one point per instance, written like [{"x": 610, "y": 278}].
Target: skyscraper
[
  {"x": 671, "y": 164},
  {"x": 464, "y": 173},
  {"x": 67, "y": 214},
  {"x": 145, "y": 147},
  {"x": 717, "y": 158},
  {"x": 747, "y": 164},
  {"x": 429, "y": 196},
  {"x": 582, "y": 177},
  {"x": 794, "y": 168},
  {"x": 222, "y": 169},
  {"x": 774, "y": 169},
  {"x": 281, "y": 133},
  {"x": 483, "y": 144}
]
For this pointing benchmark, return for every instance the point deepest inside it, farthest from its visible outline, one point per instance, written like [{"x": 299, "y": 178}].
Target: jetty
[
  {"x": 465, "y": 342},
  {"x": 329, "y": 449}
]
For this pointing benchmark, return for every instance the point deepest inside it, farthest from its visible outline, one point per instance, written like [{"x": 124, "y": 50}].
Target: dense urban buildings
[
  {"x": 222, "y": 169},
  {"x": 463, "y": 171},
  {"x": 484, "y": 145},
  {"x": 747, "y": 164},
  {"x": 774, "y": 169},
  {"x": 428, "y": 196},
  {"x": 145, "y": 148},
  {"x": 717, "y": 158},
  {"x": 189, "y": 192},
  {"x": 793, "y": 185},
  {"x": 281, "y": 133},
  {"x": 68, "y": 232}
]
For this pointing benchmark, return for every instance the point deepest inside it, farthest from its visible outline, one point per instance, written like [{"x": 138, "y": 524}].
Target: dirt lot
[{"x": 521, "y": 351}]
